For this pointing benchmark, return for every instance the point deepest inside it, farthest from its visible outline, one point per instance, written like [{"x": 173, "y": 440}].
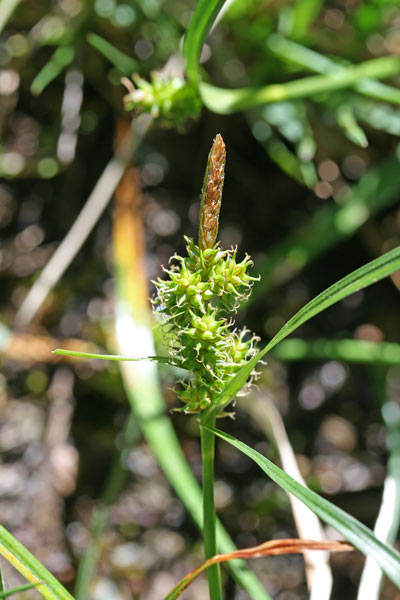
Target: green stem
[
  {"x": 225, "y": 101},
  {"x": 209, "y": 518}
]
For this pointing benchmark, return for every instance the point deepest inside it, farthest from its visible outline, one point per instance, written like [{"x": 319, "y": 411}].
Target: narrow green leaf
[
  {"x": 16, "y": 590},
  {"x": 224, "y": 101},
  {"x": 347, "y": 121},
  {"x": 354, "y": 351},
  {"x": 125, "y": 64},
  {"x": 284, "y": 158},
  {"x": 355, "y": 532},
  {"x": 379, "y": 116},
  {"x": 60, "y": 59},
  {"x": 304, "y": 13},
  {"x": 74, "y": 353},
  {"x": 7, "y": 7},
  {"x": 367, "y": 275},
  {"x": 203, "y": 17},
  {"x": 31, "y": 568}
]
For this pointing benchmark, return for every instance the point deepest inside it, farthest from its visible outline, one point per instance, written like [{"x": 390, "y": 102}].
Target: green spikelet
[{"x": 200, "y": 292}]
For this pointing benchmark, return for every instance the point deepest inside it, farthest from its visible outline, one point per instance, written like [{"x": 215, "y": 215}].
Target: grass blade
[
  {"x": 224, "y": 101},
  {"x": 31, "y": 568},
  {"x": 17, "y": 590},
  {"x": 7, "y": 7},
  {"x": 304, "y": 12},
  {"x": 346, "y": 120},
  {"x": 203, "y": 17},
  {"x": 61, "y": 58},
  {"x": 125, "y": 64},
  {"x": 370, "y": 273},
  {"x": 355, "y": 532}
]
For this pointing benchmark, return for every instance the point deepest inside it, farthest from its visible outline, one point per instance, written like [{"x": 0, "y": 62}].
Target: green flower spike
[{"x": 201, "y": 290}]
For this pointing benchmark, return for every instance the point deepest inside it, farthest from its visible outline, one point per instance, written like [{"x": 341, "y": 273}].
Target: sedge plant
[{"x": 196, "y": 300}]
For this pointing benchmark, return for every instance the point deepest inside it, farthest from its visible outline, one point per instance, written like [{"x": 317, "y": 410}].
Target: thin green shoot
[
  {"x": 225, "y": 101},
  {"x": 19, "y": 589},
  {"x": 75, "y": 354}
]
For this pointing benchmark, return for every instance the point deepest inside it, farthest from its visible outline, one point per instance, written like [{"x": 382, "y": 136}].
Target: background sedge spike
[{"x": 211, "y": 194}]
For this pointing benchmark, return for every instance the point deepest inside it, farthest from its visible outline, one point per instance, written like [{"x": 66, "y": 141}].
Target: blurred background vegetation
[{"x": 311, "y": 192}]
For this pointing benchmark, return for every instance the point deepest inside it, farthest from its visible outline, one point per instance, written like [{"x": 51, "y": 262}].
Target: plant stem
[
  {"x": 225, "y": 101},
  {"x": 209, "y": 516}
]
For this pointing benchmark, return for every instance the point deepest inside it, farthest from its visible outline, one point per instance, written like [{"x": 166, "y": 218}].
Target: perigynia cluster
[
  {"x": 198, "y": 296},
  {"x": 196, "y": 299}
]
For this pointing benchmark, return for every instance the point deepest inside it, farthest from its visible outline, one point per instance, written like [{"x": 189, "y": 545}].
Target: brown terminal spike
[{"x": 211, "y": 194}]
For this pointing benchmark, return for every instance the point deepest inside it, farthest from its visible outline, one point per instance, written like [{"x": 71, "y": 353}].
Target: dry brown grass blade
[{"x": 271, "y": 548}]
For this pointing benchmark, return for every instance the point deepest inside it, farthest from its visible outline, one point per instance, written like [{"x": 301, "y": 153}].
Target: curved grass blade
[
  {"x": 354, "y": 351},
  {"x": 304, "y": 12},
  {"x": 224, "y": 101},
  {"x": 271, "y": 548},
  {"x": 203, "y": 17},
  {"x": 347, "y": 121},
  {"x": 7, "y": 7},
  {"x": 61, "y": 58},
  {"x": 370, "y": 273},
  {"x": 125, "y": 64},
  {"x": 355, "y": 532},
  {"x": 31, "y": 568}
]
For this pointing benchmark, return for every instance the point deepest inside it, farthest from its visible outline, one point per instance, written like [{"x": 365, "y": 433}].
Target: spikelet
[{"x": 211, "y": 194}]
